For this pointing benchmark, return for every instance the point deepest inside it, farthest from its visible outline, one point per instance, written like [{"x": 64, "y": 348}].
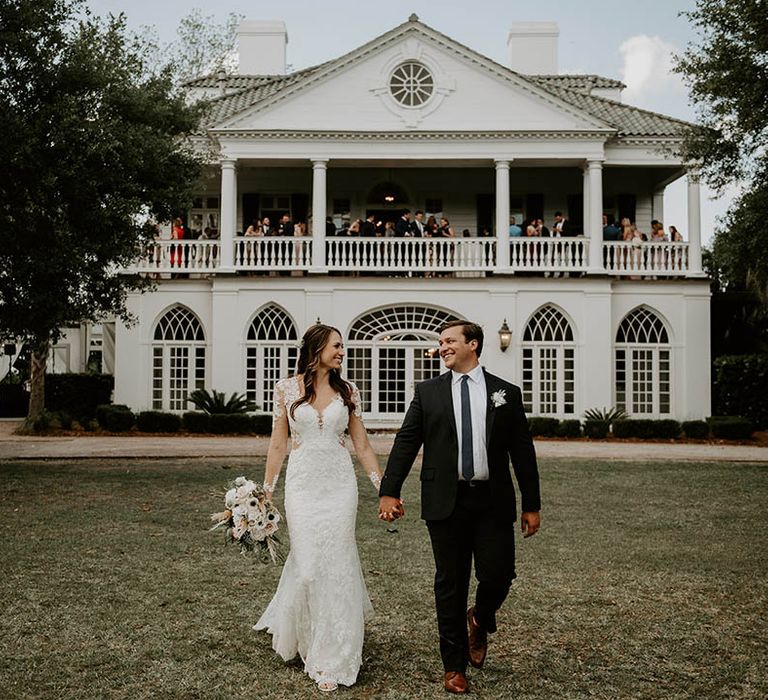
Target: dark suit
[
  {"x": 466, "y": 519},
  {"x": 402, "y": 227}
]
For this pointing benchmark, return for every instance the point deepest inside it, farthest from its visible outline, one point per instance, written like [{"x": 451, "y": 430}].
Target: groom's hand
[
  {"x": 530, "y": 522},
  {"x": 390, "y": 508}
]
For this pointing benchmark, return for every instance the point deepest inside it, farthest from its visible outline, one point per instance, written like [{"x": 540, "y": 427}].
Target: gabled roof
[{"x": 572, "y": 92}]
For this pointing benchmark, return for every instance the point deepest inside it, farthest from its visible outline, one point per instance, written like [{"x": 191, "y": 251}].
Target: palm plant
[
  {"x": 609, "y": 415},
  {"x": 217, "y": 402}
]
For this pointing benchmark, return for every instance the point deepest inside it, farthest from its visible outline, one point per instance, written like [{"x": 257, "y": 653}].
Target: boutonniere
[{"x": 499, "y": 398}]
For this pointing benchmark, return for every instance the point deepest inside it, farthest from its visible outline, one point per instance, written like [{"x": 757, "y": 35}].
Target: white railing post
[
  {"x": 319, "y": 200},
  {"x": 502, "y": 214},
  {"x": 595, "y": 218},
  {"x": 228, "y": 215},
  {"x": 694, "y": 224}
]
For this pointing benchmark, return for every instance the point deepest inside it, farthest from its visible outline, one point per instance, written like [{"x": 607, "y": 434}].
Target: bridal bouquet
[{"x": 250, "y": 518}]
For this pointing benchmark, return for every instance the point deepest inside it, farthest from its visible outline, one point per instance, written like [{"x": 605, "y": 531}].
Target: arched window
[
  {"x": 271, "y": 352},
  {"x": 390, "y": 350},
  {"x": 549, "y": 383},
  {"x": 642, "y": 369},
  {"x": 178, "y": 359}
]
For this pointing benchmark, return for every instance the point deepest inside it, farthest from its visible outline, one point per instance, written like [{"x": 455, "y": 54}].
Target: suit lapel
[
  {"x": 446, "y": 399},
  {"x": 490, "y": 409}
]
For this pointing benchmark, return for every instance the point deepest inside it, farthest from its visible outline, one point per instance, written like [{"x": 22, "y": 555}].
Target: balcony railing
[{"x": 428, "y": 255}]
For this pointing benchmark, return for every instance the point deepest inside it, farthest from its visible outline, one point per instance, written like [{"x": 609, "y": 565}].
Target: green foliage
[
  {"x": 695, "y": 429},
  {"x": 196, "y": 422},
  {"x": 541, "y": 426},
  {"x": 217, "y": 402},
  {"x": 730, "y": 427},
  {"x": 230, "y": 423},
  {"x": 605, "y": 414},
  {"x": 726, "y": 71},
  {"x": 569, "y": 429},
  {"x": 664, "y": 429},
  {"x": 596, "y": 429},
  {"x": 739, "y": 384},
  {"x": 116, "y": 418},
  {"x": 158, "y": 422},
  {"x": 78, "y": 394},
  {"x": 94, "y": 147},
  {"x": 261, "y": 423}
]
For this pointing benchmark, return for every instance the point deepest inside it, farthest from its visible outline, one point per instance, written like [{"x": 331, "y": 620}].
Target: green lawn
[{"x": 647, "y": 581}]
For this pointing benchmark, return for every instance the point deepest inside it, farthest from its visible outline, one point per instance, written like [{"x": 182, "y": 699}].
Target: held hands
[
  {"x": 530, "y": 522},
  {"x": 390, "y": 509}
]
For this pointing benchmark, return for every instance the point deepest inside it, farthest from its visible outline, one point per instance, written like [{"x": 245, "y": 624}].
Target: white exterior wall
[{"x": 594, "y": 307}]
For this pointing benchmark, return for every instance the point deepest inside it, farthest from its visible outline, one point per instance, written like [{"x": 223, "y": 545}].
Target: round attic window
[{"x": 411, "y": 84}]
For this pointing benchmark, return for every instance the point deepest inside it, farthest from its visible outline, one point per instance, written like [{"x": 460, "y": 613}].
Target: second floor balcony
[{"x": 427, "y": 257}]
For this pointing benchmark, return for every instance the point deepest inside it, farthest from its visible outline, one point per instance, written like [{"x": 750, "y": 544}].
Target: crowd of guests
[{"x": 626, "y": 230}]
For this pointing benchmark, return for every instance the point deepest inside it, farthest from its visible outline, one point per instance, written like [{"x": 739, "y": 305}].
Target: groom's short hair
[{"x": 470, "y": 331}]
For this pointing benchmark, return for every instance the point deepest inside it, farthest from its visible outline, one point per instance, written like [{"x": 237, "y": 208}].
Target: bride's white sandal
[{"x": 327, "y": 686}]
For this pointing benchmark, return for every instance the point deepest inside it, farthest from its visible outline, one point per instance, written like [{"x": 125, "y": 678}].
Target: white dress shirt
[{"x": 478, "y": 403}]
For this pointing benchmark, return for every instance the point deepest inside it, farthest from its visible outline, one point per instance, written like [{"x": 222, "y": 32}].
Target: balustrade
[{"x": 646, "y": 258}]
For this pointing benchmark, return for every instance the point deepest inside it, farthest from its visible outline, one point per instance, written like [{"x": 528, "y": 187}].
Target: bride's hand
[{"x": 390, "y": 508}]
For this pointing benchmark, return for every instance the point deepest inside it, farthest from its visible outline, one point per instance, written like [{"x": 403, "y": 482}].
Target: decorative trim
[{"x": 415, "y": 135}]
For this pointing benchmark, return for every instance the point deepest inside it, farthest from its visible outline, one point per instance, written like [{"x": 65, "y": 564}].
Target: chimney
[
  {"x": 533, "y": 47},
  {"x": 262, "y": 47}
]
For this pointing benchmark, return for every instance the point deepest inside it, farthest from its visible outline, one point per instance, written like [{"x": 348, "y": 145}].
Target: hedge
[
  {"x": 229, "y": 423},
  {"x": 196, "y": 422},
  {"x": 569, "y": 428},
  {"x": 116, "y": 418},
  {"x": 731, "y": 427},
  {"x": 646, "y": 429},
  {"x": 158, "y": 422},
  {"x": 543, "y": 427},
  {"x": 78, "y": 394},
  {"x": 596, "y": 429},
  {"x": 696, "y": 429},
  {"x": 261, "y": 423},
  {"x": 739, "y": 384}
]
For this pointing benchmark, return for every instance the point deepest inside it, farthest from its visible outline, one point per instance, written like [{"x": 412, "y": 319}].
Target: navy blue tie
[{"x": 467, "y": 460}]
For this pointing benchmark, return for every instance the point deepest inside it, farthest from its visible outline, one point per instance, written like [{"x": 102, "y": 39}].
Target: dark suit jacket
[
  {"x": 402, "y": 227},
  {"x": 430, "y": 421}
]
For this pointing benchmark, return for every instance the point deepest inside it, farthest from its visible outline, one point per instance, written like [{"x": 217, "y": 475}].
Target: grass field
[{"x": 647, "y": 581}]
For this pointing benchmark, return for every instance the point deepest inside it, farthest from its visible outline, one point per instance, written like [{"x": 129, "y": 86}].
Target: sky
[{"x": 631, "y": 41}]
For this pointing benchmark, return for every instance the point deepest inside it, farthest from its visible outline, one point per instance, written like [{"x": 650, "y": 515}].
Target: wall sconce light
[{"x": 505, "y": 336}]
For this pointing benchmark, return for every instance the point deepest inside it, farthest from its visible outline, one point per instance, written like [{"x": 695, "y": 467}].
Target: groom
[{"x": 471, "y": 424}]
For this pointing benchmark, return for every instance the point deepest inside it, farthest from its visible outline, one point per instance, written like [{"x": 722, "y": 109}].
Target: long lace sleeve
[
  {"x": 277, "y": 442},
  {"x": 360, "y": 440}
]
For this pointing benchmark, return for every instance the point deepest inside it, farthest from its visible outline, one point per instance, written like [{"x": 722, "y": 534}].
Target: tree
[
  {"x": 94, "y": 147},
  {"x": 726, "y": 70}
]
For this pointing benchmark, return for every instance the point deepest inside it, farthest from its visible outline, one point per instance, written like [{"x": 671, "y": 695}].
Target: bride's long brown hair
[{"x": 312, "y": 345}]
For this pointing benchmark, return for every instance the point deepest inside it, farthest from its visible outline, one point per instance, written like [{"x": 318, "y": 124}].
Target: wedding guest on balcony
[
  {"x": 530, "y": 229},
  {"x": 286, "y": 226},
  {"x": 445, "y": 230},
  {"x": 417, "y": 225},
  {"x": 611, "y": 232},
  {"x": 389, "y": 229},
  {"x": 561, "y": 228},
  {"x": 330, "y": 227},
  {"x": 299, "y": 231},
  {"x": 431, "y": 227},
  {"x": 514, "y": 230},
  {"x": 543, "y": 231},
  {"x": 177, "y": 234},
  {"x": 657, "y": 231},
  {"x": 254, "y": 229},
  {"x": 266, "y": 227},
  {"x": 403, "y": 225},
  {"x": 368, "y": 227},
  {"x": 675, "y": 235}
]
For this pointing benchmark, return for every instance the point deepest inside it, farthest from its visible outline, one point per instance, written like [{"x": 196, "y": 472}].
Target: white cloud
[{"x": 647, "y": 73}]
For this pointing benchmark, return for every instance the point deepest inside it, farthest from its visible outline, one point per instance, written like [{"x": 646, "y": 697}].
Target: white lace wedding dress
[{"x": 321, "y": 602}]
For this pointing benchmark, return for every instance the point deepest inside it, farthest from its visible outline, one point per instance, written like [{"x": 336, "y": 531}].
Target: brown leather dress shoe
[
  {"x": 456, "y": 682},
  {"x": 478, "y": 641}
]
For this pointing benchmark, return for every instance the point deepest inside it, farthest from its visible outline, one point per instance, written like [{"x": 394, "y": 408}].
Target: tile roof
[{"x": 581, "y": 82}]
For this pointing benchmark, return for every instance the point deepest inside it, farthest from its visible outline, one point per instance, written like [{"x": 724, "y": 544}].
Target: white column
[
  {"x": 502, "y": 214},
  {"x": 595, "y": 218},
  {"x": 694, "y": 224},
  {"x": 228, "y": 215},
  {"x": 319, "y": 203},
  {"x": 586, "y": 200}
]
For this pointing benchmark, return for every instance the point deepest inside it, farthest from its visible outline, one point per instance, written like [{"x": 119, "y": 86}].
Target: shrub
[
  {"x": 739, "y": 383},
  {"x": 229, "y": 423},
  {"x": 646, "y": 429},
  {"x": 596, "y": 429},
  {"x": 695, "y": 429},
  {"x": 158, "y": 422},
  {"x": 543, "y": 427},
  {"x": 77, "y": 394},
  {"x": 731, "y": 427},
  {"x": 64, "y": 419},
  {"x": 116, "y": 418},
  {"x": 196, "y": 422},
  {"x": 605, "y": 414},
  {"x": 217, "y": 402},
  {"x": 569, "y": 429},
  {"x": 261, "y": 423}
]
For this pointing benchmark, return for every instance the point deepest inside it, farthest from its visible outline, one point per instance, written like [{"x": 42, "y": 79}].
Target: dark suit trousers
[{"x": 470, "y": 531}]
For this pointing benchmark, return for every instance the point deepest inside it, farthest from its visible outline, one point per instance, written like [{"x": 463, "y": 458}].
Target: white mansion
[{"x": 414, "y": 119}]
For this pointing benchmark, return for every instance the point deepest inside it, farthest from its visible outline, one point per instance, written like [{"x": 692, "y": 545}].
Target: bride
[{"x": 321, "y": 602}]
